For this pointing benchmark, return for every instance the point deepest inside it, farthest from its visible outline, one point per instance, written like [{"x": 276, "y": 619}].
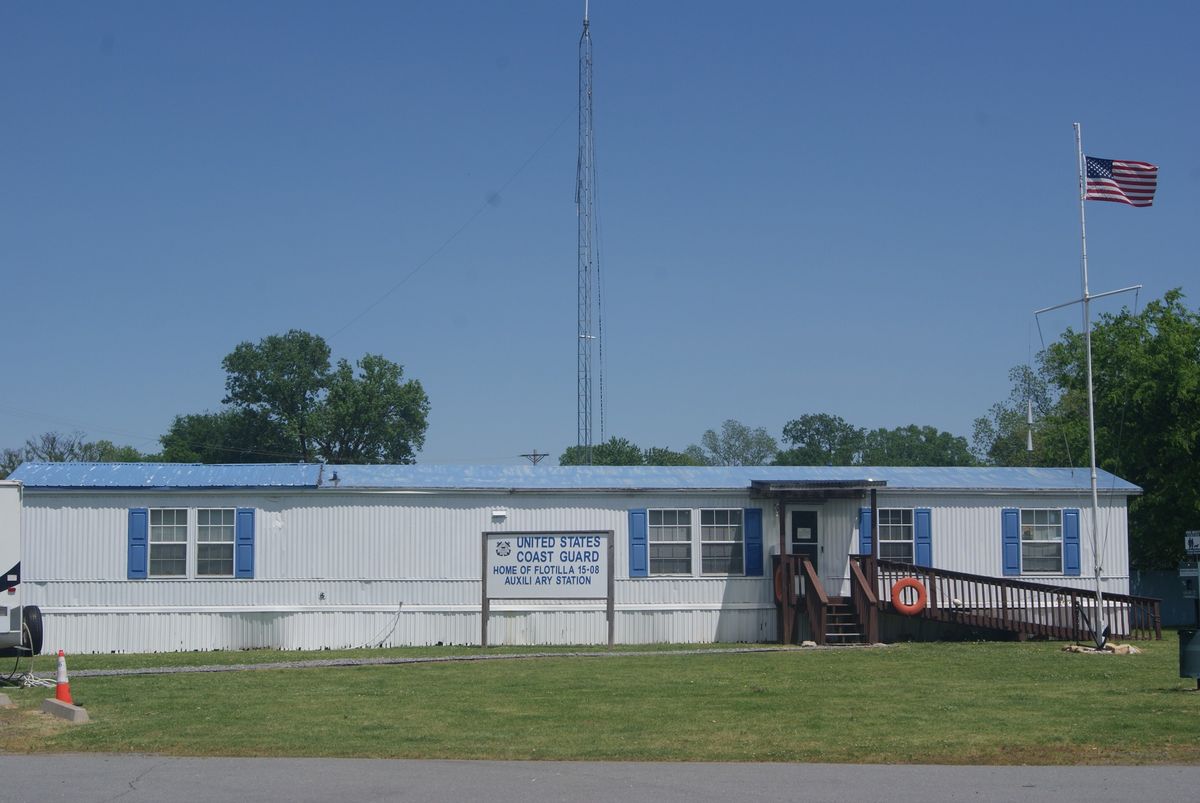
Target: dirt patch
[{"x": 24, "y": 730}]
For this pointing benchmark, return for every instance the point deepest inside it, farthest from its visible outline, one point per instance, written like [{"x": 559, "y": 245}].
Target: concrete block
[
  {"x": 5, "y": 702},
  {"x": 71, "y": 713}
]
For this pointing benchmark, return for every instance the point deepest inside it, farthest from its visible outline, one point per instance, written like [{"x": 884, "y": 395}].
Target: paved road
[{"x": 138, "y": 779}]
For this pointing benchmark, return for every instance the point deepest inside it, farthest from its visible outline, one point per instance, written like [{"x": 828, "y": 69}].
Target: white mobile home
[{"x": 159, "y": 557}]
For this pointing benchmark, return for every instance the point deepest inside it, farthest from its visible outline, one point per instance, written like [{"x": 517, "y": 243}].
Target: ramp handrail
[{"x": 1004, "y": 603}]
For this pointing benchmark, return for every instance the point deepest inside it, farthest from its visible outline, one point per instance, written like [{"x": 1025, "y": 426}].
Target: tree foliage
[
  {"x": 821, "y": 439},
  {"x": 1146, "y": 379},
  {"x": 736, "y": 445},
  {"x": 282, "y": 377},
  {"x": 58, "y": 447},
  {"x": 233, "y": 435},
  {"x": 285, "y": 402},
  {"x": 623, "y": 452},
  {"x": 662, "y": 456},
  {"x": 1000, "y": 437},
  {"x": 372, "y": 415},
  {"x": 914, "y": 445}
]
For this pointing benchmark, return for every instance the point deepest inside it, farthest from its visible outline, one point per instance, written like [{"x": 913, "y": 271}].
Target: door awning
[{"x": 813, "y": 489}]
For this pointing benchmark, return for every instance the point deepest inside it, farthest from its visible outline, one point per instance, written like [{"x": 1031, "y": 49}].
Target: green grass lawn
[{"x": 1002, "y": 703}]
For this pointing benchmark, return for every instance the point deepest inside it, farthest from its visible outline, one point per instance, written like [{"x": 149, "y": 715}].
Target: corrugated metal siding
[
  {"x": 332, "y": 568},
  {"x": 966, "y": 534},
  {"x": 340, "y": 568}
]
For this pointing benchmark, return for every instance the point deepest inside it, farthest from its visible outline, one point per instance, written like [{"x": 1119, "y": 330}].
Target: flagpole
[{"x": 1100, "y": 625}]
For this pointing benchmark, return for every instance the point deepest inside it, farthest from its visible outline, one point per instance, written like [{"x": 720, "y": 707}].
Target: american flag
[{"x": 1124, "y": 182}]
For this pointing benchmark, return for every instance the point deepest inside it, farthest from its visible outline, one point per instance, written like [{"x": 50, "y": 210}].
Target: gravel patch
[{"x": 324, "y": 663}]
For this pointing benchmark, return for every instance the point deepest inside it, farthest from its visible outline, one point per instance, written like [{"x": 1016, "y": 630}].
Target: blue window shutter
[
  {"x": 1071, "y": 561},
  {"x": 639, "y": 558},
  {"x": 139, "y": 542},
  {"x": 752, "y": 517},
  {"x": 864, "y": 531},
  {"x": 923, "y": 537},
  {"x": 1010, "y": 530},
  {"x": 244, "y": 543}
]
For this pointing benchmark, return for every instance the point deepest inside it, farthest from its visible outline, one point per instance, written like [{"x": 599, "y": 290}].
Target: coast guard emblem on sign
[{"x": 503, "y": 549}]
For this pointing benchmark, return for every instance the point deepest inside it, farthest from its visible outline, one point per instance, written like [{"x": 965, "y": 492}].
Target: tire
[{"x": 31, "y": 636}]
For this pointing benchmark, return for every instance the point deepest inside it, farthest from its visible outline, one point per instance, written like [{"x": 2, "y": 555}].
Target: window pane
[
  {"x": 1041, "y": 541},
  {"x": 168, "y": 560},
  {"x": 1041, "y": 557},
  {"x": 721, "y": 558},
  {"x": 896, "y": 534},
  {"x": 670, "y": 558},
  {"x": 670, "y": 537},
  {"x": 896, "y": 550},
  {"x": 214, "y": 526},
  {"x": 214, "y": 560}
]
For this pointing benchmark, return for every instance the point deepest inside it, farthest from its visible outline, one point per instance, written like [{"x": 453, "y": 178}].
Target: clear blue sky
[{"x": 851, "y": 208}]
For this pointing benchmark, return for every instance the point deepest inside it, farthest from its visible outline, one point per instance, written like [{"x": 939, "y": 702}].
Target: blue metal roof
[
  {"x": 564, "y": 478},
  {"x": 168, "y": 475},
  {"x": 548, "y": 478}
]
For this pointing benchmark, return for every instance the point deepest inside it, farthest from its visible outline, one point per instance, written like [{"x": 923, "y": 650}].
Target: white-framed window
[
  {"x": 168, "y": 542},
  {"x": 215, "y": 533},
  {"x": 721, "y": 542},
  {"x": 1041, "y": 541},
  {"x": 191, "y": 542},
  {"x": 896, "y": 534},
  {"x": 669, "y": 538}
]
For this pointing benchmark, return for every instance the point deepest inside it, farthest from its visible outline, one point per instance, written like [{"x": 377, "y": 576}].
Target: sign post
[
  {"x": 1191, "y": 545},
  {"x": 570, "y": 565}
]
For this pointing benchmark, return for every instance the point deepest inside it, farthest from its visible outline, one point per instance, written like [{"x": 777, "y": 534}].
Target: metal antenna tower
[{"x": 591, "y": 324}]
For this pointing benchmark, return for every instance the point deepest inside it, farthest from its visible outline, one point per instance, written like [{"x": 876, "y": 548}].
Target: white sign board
[
  {"x": 547, "y": 565},
  {"x": 1191, "y": 542}
]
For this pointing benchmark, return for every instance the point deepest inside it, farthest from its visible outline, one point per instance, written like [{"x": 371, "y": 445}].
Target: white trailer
[{"x": 20, "y": 625}]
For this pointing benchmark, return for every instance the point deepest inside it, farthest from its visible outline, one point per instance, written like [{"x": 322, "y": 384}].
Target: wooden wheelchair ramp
[{"x": 1001, "y": 604}]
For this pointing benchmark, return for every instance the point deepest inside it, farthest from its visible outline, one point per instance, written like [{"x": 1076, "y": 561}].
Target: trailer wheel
[{"x": 31, "y": 637}]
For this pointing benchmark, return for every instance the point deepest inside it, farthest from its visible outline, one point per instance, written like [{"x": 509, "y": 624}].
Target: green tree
[
  {"x": 372, "y": 416},
  {"x": 1000, "y": 438},
  {"x": 613, "y": 452},
  {"x": 282, "y": 377},
  {"x": 285, "y": 402},
  {"x": 9, "y": 460},
  {"x": 1146, "y": 370},
  {"x": 820, "y": 439},
  {"x": 915, "y": 446},
  {"x": 662, "y": 456},
  {"x": 737, "y": 445},
  {"x": 1146, "y": 380},
  {"x": 233, "y": 435}
]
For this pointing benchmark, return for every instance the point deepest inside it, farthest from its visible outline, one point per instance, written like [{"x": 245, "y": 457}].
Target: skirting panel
[{"x": 186, "y": 631}]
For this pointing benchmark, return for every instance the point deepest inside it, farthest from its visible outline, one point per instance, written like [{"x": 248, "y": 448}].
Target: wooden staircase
[{"x": 841, "y": 623}]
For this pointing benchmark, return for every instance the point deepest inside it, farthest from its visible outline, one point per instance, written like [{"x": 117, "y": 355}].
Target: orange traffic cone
[{"x": 62, "y": 687}]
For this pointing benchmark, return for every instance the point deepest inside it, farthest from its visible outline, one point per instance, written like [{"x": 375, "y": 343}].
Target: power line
[{"x": 487, "y": 203}]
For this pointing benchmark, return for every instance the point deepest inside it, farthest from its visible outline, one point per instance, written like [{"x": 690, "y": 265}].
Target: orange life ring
[
  {"x": 908, "y": 608},
  {"x": 779, "y": 584}
]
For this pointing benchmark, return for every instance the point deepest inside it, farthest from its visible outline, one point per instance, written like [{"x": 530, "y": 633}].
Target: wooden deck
[{"x": 1001, "y": 604}]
